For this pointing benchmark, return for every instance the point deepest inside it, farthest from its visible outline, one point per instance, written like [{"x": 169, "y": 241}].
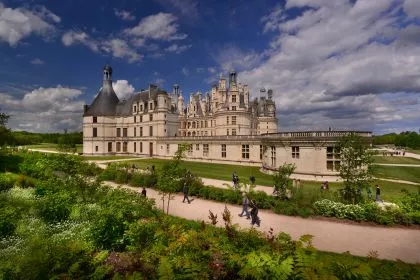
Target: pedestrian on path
[
  {"x": 254, "y": 214},
  {"x": 245, "y": 204},
  {"x": 143, "y": 192},
  {"x": 378, "y": 193},
  {"x": 185, "y": 191}
]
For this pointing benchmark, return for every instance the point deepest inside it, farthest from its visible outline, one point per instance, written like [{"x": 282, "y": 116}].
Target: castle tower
[{"x": 232, "y": 78}]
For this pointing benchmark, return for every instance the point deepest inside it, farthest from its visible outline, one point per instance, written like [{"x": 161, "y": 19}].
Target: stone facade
[{"x": 221, "y": 127}]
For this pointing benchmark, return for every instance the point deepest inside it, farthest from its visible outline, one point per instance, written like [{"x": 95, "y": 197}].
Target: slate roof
[{"x": 104, "y": 103}]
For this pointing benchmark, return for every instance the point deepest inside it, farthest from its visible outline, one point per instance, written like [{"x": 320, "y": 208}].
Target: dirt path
[{"x": 390, "y": 243}]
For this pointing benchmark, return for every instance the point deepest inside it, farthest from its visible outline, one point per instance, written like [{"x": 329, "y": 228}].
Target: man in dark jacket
[
  {"x": 185, "y": 190},
  {"x": 378, "y": 193},
  {"x": 254, "y": 214},
  {"x": 143, "y": 192}
]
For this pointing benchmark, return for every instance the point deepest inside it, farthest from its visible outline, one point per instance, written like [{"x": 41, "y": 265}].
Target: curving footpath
[{"x": 389, "y": 243}]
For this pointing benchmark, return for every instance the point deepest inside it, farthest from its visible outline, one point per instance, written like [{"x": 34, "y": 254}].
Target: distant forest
[
  {"x": 19, "y": 138},
  {"x": 409, "y": 139}
]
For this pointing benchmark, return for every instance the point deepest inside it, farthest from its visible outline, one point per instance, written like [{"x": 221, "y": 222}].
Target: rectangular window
[
  {"x": 206, "y": 124},
  {"x": 141, "y": 118},
  {"x": 124, "y": 132},
  {"x": 227, "y": 131},
  {"x": 273, "y": 156},
  {"x": 233, "y": 98},
  {"x": 135, "y": 132},
  {"x": 95, "y": 119},
  {"x": 118, "y": 132},
  {"x": 223, "y": 150},
  {"x": 135, "y": 147},
  {"x": 190, "y": 149},
  {"x": 125, "y": 144},
  {"x": 245, "y": 151},
  {"x": 197, "y": 147},
  {"x": 134, "y": 109},
  {"x": 233, "y": 108},
  {"x": 295, "y": 152},
  {"x": 233, "y": 131},
  {"x": 167, "y": 148},
  {"x": 227, "y": 120},
  {"x": 261, "y": 152},
  {"x": 141, "y": 108},
  {"x": 96, "y": 148},
  {"x": 205, "y": 150},
  {"x": 109, "y": 146},
  {"x": 141, "y": 131},
  {"x": 118, "y": 146},
  {"x": 135, "y": 119},
  {"x": 333, "y": 159},
  {"x": 150, "y": 130},
  {"x": 95, "y": 132},
  {"x": 150, "y": 117},
  {"x": 150, "y": 106},
  {"x": 141, "y": 147},
  {"x": 234, "y": 120}
]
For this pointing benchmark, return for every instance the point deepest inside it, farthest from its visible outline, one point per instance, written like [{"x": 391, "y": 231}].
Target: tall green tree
[
  {"x": 6, "y": 136},
  {"x": 355, "y": 166}
]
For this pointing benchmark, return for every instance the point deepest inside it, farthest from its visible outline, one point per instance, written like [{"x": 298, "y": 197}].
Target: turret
[
  {"x": 270, "y": 94},
  {"x": 232, "y": 78}
]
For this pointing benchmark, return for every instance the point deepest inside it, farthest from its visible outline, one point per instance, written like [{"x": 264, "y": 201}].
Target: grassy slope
[
  {"x": 396, "y": 160},
  {"x": 52, "y": 147},
  {"x": 390, "y": 191},
  {"x": 397, "y": 172}
]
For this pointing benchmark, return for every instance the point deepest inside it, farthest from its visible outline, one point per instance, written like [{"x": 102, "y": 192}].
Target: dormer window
[
  {"x": 134, "y": 109},
  {"x": 151, "y": 106},
  {"x": 141, "y": 108},
  {"x": 95, "y": 119},
  {"x": 233, "y": 98}
]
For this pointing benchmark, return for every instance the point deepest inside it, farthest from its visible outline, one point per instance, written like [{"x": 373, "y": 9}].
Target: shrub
[
  {"x": 330, "y": 208},
  {"x": 7, "y": 181},
  {"x": 54, "y": 207}
]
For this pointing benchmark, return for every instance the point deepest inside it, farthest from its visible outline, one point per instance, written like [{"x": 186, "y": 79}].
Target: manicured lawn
[
  {"x": 414, "y": 151},
  {"x": 106, "y": 157},
  {"x": 397, "y": 172},
  {"x": 396, "y": 160},
  {"x": 52, "y": 147}
]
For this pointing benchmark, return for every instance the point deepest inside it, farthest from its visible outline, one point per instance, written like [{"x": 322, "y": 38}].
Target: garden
[{"x": 58, "y": 222}]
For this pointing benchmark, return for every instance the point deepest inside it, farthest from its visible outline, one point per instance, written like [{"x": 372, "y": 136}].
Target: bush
[
  {"x": 330, "y": 208},
  {"x": 54, "y": 207},
  {"x": 7, "y": 181}
]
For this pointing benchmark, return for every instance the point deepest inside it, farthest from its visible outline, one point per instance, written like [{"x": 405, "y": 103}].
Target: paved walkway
[
  {"x": 390, "y": 243},
  {"x": 398, "y": 164}
]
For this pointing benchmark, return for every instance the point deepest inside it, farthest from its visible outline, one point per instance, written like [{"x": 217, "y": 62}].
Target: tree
[
  {"x": 6, "y": 136},
  {"x": 282, "y": 181},
  {"x": 355, "y": 166},
  {"x": 171, "y": 176}
]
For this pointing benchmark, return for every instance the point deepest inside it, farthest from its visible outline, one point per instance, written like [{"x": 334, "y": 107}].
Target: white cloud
[
  {"x": 18, "y": 23},
  {"x": 124, "y": 15},
  {"x": 45, "y": 109},
  {"x": 77, "y": 37},
  {"x": 186, "y": 7},
  {"x": 37, "y": 61},
  {"x": 212, "y": 70},
  {"x": 177, "y": 48},
  {"x": 162, "y": 26},
  {"x": 185, "y": 71},
  {"x": 119, "y": 48},
  {"x": 233, "y": 58},
  {"x": 412, "y": 8},
  {"x": 160, "y": 82},
  {"x": 123, "y": 89}
]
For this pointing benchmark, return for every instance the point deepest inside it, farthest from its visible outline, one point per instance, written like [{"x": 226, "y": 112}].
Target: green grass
[
  {"x": 390, "y": 191},
  {"x": 414, "y": 151},
  {"x": 107, "y": 157},
  {"x": 396, "y": 160},
  {"x": 52, "y": 147},
  {"x": 397, "y": 172}
]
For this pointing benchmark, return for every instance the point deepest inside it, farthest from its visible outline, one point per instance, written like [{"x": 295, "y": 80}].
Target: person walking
[
  {"x": 254, "y": 215},
  {"x": 245, "y": 204},
  {"x": 185, "y": 190},
  {"x": 143, "y": 192},
  {"x": 378, "y": 193}
]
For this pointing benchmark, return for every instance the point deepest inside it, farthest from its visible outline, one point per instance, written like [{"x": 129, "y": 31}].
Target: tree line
[{"x": 409, "y": 139}]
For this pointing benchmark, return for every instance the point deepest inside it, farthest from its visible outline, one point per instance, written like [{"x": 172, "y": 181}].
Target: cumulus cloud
[
  {"x": 78, "y": 37},
  {"x": 124, "y": 15},
  {"x": 162, "y": 26},
  {"x": 334, "y": 63},
  {"x": 119, "y": 48},
  {"x": 123, "y": 89},
  {"x": 19, "y": 23},
  {"x": 37, "y": 61},
  {"x": 175, "y": 48},
  {"x": 45, "y": 109}
]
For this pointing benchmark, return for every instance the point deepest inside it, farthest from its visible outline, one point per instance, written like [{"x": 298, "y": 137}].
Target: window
[
  {"x": 124, "y": 132},
  {"x": 141, "y": 147},
  {"x": 197, "y": 147},
  {"x": 333, "y": 158},
  {"x": 233, "y": 131},
  {"x": 151, "y": 117},
  {"x": 134, "y": 109},
  {"x": 223, "y": 150},
  {"x": 205, "y": 150},
  {"x": 141, "y": 131},
  {"x": 135, "y": 132},
  {"x": 273, "y": 156},
  {"x": 141, "y": 108},
  {"x": 190, "y": 149},
  {"x": 95, "y": 119},
  {"x": 167, "y": 148},
  {"x": 233, "y": 98},
  {"x": 151, "y": 106},
  {"x": 150, "y": 130},
  {"x": 234, "y": 120},
  {"x": 227, "y": 120},
  {"x": 141, "y": 118},
  {"x": 206, "y": 124},
  {"x": 95, "y": 132},
  {"x": 118, "y": 132},
  {"x": 233, "y": 108},
  {"x": 118, "y": 146},
  {"x": 96, "y": 148},
  {"x": 109, "y": 146},
  {"x": 125, "y": 144},
  {"x": 135, "y": 147},
  {"x": 227, "y": 131},
  {"x": 245, "y": 151},
  {"x": 295, "y": 152},
  {"x": 135, "y": 119},
  {"x": 261, "y": 152}
]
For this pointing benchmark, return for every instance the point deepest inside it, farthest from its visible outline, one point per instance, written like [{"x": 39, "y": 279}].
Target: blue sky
[{"x": 342, "y": 64}]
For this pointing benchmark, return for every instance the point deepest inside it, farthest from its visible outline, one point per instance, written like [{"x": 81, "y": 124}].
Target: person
[
  {"x": 369, "y": 193},
  {"x": 326, "y": 185},
  {"x": 143, "y": 192},
  {"x": 322, "y": 186},
  {"x": 185, "y": 191},
  {"x": 153, "y": 168},
  {"x": 147, "y": 168},
  {"x": 252, "y": 179},
  {"x": 245, "y": 203},
  {"x": 378, "y": 193},
  {"x": 254, "y": 215}
]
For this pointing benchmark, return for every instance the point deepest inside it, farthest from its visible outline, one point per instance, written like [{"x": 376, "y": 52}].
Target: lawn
[
  {"x": 52, "y": 147},
  {"x": 107, "y": 157},
  {"x": 390, "y": 191},
  {"x": 397, "y": 172},
  {"x": 396, "y": 160}
]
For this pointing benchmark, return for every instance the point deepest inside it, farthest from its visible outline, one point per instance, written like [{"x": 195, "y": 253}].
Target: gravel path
[{"x": 390, "y": 243}]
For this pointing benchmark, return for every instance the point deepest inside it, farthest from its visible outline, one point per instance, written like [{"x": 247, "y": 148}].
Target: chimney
[
  {"x": 85, "y": 108},
  {"x": 270, "y": 94}
]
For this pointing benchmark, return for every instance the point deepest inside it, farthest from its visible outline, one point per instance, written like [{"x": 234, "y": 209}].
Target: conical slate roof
[{"x": 105, "y": 102}]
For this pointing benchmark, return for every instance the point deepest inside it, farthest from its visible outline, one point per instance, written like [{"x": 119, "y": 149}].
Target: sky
[{"x": 344, "y": 64}]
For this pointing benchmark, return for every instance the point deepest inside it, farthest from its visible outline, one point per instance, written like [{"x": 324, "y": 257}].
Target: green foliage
[
  {"x": 7, "y": 181},
  {"x": 409, "y": 139},
  {"x": 165, "y": 270},
  {"x": 266, "y": 266},
  {"x": 282, "y": 182}
]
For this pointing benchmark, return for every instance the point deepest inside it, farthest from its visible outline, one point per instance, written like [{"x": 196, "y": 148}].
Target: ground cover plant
[{"x": 67, "y": 226}]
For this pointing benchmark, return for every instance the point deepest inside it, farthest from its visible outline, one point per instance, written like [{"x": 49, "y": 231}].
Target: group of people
[{"x": 253, "y": 214}]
